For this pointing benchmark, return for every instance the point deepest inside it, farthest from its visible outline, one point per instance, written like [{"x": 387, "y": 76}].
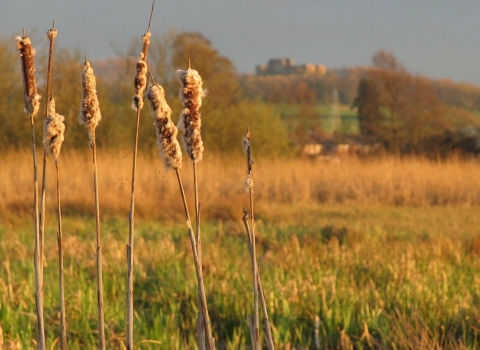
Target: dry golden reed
[
  {"x": 53, "y": 131},
  {"x": 190, "y": 123},
  {"x": 141, "y": 74},
  {"x": 165, "y": 128},
  {"x": 90, "y": 109},
  {"x": 32, "y": 98}
]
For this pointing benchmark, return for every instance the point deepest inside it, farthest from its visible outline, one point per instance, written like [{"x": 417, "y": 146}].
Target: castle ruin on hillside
[{"x": 285, "y": 66}]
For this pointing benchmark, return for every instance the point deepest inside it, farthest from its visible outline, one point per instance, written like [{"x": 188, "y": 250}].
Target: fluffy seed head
[
  {"x": 248, "y": 184},
  {"x": 52, "y": 34},
  {"x": 191, "y": 94},
  {"x": 246, "y": 143},
  {"x": 165, "y": 128},
  {"x": 53, "y": 131},
  {"x": 140, "y": 82},
  {"x": 32, "y": 98},
  {"x": 89, "y": 109}
]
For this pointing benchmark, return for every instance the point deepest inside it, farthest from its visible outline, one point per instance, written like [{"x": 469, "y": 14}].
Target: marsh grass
[
  {"x": 411, "y": 182},
  {"x": 409, "y": 274}
]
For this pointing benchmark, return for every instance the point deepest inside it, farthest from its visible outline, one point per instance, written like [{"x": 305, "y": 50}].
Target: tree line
[{"x": 407, "y": 113}]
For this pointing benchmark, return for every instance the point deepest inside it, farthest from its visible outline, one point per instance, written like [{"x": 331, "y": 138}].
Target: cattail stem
[
  {"x": 51, "y": 34},
  {"x": 131, "y": 216},
  {"x": 209, "y": 341},
  {"x": 249, "y": 186},
  {"x": 101, "y": 320},
  {"x": 266, "y": 322},
  {"x": 197, "y": 214},
  {"x": 140, "y": 85},
  {"x": 63, "y": 325},
  {"x": 36, "y": 255}
]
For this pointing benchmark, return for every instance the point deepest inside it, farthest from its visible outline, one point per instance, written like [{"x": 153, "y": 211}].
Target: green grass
[
  {"x": 349, "y": 118},
  {"x": 408, "y": 274}
]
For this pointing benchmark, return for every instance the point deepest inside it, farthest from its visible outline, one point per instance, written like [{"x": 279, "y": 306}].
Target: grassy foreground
[{"x": 374, "y": 277}]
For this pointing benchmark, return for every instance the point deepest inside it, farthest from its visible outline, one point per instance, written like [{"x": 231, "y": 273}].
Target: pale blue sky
[{"x": 436, "y": 38}]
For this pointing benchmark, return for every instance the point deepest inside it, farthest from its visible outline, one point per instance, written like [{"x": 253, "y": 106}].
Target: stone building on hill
[{"x": 285, "y": 66}]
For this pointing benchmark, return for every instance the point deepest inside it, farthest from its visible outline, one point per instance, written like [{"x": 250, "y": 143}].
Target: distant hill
[{"x": 318, "y": 88}]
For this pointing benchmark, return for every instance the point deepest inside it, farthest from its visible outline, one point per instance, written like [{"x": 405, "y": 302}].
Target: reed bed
[{"x": 413, "y": 182}]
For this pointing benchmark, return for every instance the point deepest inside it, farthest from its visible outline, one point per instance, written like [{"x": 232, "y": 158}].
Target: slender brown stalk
[
  {"x": 90, "y": 116},
  {"x": 53, "y": 137},
  {"x": 140, "y": 83},
  {"x": 51, "y": 34},
  {"x": 131, "y": 217},
  {"x": 197, "y": 213},
  {"x": 101, "y": 319},
  {"x": 38, "y": 282},
  {"x": 266, "y": 322},
  {"x": 209, "y": 341},
  {"x": 63, "y": 325},
  {"x": 249, "y": 186},
  {"x": 32, "y": 104}
]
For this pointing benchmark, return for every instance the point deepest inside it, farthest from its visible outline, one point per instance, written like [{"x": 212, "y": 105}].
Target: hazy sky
[{"x": 436, "y": 38}]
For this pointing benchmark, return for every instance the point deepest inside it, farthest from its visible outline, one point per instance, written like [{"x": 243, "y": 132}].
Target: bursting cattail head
[
  {"x": 89, "y": 109},
  {"x": 248, "y": 150},
  {"x": 140, "y": 81},
  {"x": 190, "y": 123},
  {"x": 248, "y": 184},
  {"x": 246, "y": 143},
  {"x": 165, "y": 128},
  {"x": 31, "y": 96},
  {"x": 52, "y": 33},
  {"x": 53, "y": 131}
]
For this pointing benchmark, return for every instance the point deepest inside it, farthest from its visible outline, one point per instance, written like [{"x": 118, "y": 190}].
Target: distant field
[
  {"x": 381, "y": 181},
  {"x": 349, "y": 119},
  {"x": 385, "y": 252}
]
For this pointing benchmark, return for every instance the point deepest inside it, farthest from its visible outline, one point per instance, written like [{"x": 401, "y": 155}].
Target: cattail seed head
[
  {"x": 31, "y": 96},
  {"x": 52, "y": 34},
  {"x": 140, "y": 82},
  {"x": 248, "y": 184},
  {"x": 89, "y": 109},
  {"x": 165, "y": 128},
  {"x": 53, "y": 131},
  {"x": 246, "y": 143},
  {"x": 190, "y": 123}
]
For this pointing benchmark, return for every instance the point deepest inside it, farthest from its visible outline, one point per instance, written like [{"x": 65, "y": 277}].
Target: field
[{"x": 377, "y": 253}]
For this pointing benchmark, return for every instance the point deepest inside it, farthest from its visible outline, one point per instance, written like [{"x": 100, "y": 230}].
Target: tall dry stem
[
  {"x": 266, "y": 321},
  {"x": 246, "y": 142},
  {"x": 140, "y": 83},
  {"x": 51, "y": 35},
  {"x": 32, "y": 104},
  {"x": 172, "y": 160},
  {"x": 191, "y": 94},
  {"x": 90, "y": 116},
  {"x": 53, "y": 137}
]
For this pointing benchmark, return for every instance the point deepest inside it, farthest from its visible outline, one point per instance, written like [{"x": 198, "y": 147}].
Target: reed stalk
[
  {"x": 209, "y": 341},
  {"x": 172, "y": 160},
  {"x": 51, "y": 35},
  {"x": 63, "y": 324},
  {"x": 191, "y": 94},
  {"x": 140, "y": 83},
  {"x": 266, "y": 321},
  {"x": 32, "y": 104},
  {"x": 53, "y": 137},
  {"x": 249, "y": 187},
  {"x": 90, "y": 116}
]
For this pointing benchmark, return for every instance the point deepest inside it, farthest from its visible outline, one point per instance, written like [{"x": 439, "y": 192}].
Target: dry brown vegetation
[{"x": 384, "y": 181}]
